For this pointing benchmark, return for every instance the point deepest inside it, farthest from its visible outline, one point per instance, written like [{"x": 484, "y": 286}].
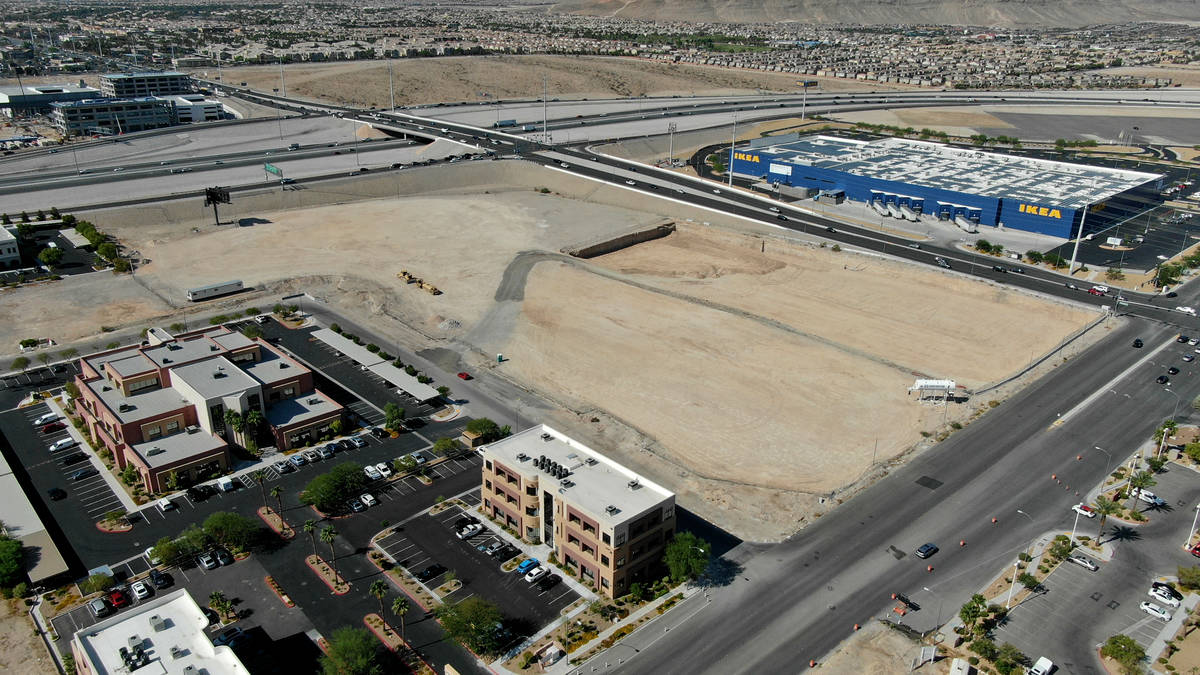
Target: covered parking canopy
[
  {"x": 404, "y": 382},
  {"x": 361, "y": 355}
]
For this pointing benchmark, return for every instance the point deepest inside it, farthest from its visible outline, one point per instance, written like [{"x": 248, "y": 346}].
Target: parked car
[
  {"x": 536, "y": 573},
  {"x": 326, "y": 451},
  {"x": 926, "y": 550},
  {"x": 160, "y": 580},
  {"x": 312, "y": 456},
  {"x": 1172, "y": 370},
  {"x": 345, "y": 445},
  {"x": 379, "y": 432},
  {"x": 527, "y": 565},
  {"x": 1083, "y": 562},
  {"x": 1167, "y": 588},
  {"x": 84, "y": 474},
  {"x": 469, "y": 531},
  {"x": 465, "y": 521},
  {"x": 549, "y": 581},
  {"x": 100, "y": 607},
  {"x": 298, "y": 460},
  {"x": 223, "y": 556},
  {"x": 1155, "y": 611},
  {"x": 1189, "y": 358},
  {"x": 74, "y": 458},
  {"x": 372, "y": 473},
  {"x": 358, "y": 441},
  {"x": 45, "y": 419},
  {"x": 368, "y": 499},
  {"x": 1163, "y": 597},
  {"x": 1182, "y": 339},
  {"x": 1162, "y": 379},
  {"x": 62, "y": 444},
  {"x": 53, "y": 427},
  {"x": 356, "y": 505},
  {"x": 117, "y": 598},
  {"x": 384, "y": 470},
  {"x": 430, "y": 572},
  {"x": 283, "y": 466},
  {"x": 207, "y": 561},
  {"x": 230, "y": 637},
  {"x": 140, "y": 590},
  {"x": 1148, "y": 497},
  {"x": 1084, "y": 510},
  {"x": 56, "y": 494},
  {"x": 1043, "y": 666},
  {"x": 199, "y": 493}
]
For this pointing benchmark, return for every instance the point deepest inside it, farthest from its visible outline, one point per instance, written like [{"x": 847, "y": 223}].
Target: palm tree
[
  {"x": 277, "y": 493},
  {"x": 1105, "y": 507},
  {"x": 310, "y": 528},
  {"x": 379, "y": 589},
  {"x": 400, "y": 607},
  {"x": 254, "y": 421},
  {"x": 327, "y": 535},
  {"x": 1140, "y": 481},
  {"x": 217, "y": 601},
  {"x": 259, "y": 476},
  {"x": 233, "y": 419}
]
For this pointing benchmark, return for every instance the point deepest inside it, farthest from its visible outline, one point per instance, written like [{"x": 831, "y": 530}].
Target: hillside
[{"x": 957, "y": 12}]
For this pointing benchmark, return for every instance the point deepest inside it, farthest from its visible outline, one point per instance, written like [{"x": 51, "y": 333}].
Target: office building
[
  {"x": 112, "y": 116},
  {"x": 138, "y": 85},
  {"x": 605, "y": 523},
  {"x": 36, "y": 98}
]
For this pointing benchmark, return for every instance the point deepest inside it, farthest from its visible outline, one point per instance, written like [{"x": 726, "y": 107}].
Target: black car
[
  {"x": 160, "y": 580},
  {"x": 1017, "y": 270},
  {"x": 223, "y": 557},
  {"x": 378, "y": 432},
  {"x": 549, "y": 581},
  {"x": 345, "y": 444},
  {"x": 1182, "y": 339},
  {"x": 199, "y": 493},
  {"x": 1162, "y": 379},
  {"x": 1138, "y": 343},
  {"x": 465, "y": 521},
  {"x": 999, "y": 268},
  {"x": 830, "y": 229},
  {"x": 1172, "y": 370},
  {"x": 56, "y": 494},
  {"x": 430, "y": 572},
  {"x": 83, "y": 474},
  {"x": 74, "y": 459},
  {"x": 1168, "y": 589},
  {"x": 781, "y": 217},
  {"x": 926, "y": 550},
  {"x": 231, "y": 637}
]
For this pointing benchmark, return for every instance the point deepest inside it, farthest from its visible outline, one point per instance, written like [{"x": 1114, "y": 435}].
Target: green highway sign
[{"x": 271, "y": 168}]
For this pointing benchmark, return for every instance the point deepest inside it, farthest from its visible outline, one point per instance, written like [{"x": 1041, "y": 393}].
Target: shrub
[
  {"x": 373, "y": 348},
  {"x": 333, "y": 327}
]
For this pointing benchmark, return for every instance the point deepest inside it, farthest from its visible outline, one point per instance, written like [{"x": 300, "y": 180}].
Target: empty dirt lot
[{"x": 750, "y": 381}]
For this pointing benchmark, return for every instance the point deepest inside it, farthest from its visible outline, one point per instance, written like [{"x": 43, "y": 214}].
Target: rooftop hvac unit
[
  {"x": 610, "y": 509},
  {"x": 546, "y": 437},
  {"x": 314, "y": 401},
  {"x": 193, "y": 429},
  {"x": 591, "y": 461},
  {"x": 541, "y": 459},
  {"x": 521, "y": 457},
  {"x": 633, "y": 484},
  {"x": 157, "y": 623},
  {"x": 166, "y": 360},
  {"x": 176, "y": 652},
  {"x": 565, "y": 483}
]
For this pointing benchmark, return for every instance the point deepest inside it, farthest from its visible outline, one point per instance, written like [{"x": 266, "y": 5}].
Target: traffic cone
[{"x": 962, "y": 542}]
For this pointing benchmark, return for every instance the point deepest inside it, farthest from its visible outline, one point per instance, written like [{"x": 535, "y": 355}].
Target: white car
[
  {"x": 1155, "y": 611},
  {"x": 1042, "y": 667},
  {"x": 1085, "y": 563},
  {"x": 1084, "y": 510},
  {"x": 368, "y": 499},
  {"x": 1102, "y": 289},
  {"x": 372, "y": 472},
  {"x": 384, "y": 470},
  {"x": 1190, "y": 311},
  {"x": 140, "y": 590},
  {"x": 539, "y": 572},
  {"x": 62, "y": 444},
  {"x": 46, "y": 419},
  {"x": 469, "y": 531},
  {"x": 1163, "y": 597}
]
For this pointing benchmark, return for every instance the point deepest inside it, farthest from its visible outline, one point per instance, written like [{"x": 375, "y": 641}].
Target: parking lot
[
  {"x": 74, "y": 261},
  {"x": 431, "y": 540},
  {"x": 44, "y": 375}
]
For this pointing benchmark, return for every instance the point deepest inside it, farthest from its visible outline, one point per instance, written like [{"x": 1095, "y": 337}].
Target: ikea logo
[
  {"x": 1039, "y": 211},
  {"x": 745, "y": 157}
]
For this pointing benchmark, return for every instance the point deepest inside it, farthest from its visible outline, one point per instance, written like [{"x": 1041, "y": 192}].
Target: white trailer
[
  {"x": 966, "y": 225},
  {"x": 908, "y": 213},
  {"x": 894, "y": 210},
  {"x": 214, "y": 290},
  {"x": 879, "y": 208}
]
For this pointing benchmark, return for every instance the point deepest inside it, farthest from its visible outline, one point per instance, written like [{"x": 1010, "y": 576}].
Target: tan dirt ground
[
  {"x": 878, "y": 649},
  {"x": 480, "y": 78},
  {"x": 20, "y": 651},
  {"x": 1186, "y": 154},
  {"x": 1185, "y": 75},
  {"x": 1187, "y": 659},
  {"x": 726, "y": 334},
  {"x": 956, "y": 121}
]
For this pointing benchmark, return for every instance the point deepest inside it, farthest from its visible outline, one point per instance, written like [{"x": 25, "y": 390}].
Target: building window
[
  {"x": 172, "y": 427},
  {"x": 620, "y": 539},
  {"x": 153, "y": 433},
  {"x": 604, "y": 560},
  {"x": 487, "y": 485},
  {"x": 289, "y": 391},
  {"x": 487, "y": 464},
  {"x": 531, "y": 490},
  {"x": 254, "y": 402},
  {"x": 621, "y": 562},
  {"x": 606, "y": 539},
  {"x": 604, "y": 582},
  {"x": 144, "y": 384},
  {"x": 572, "y": 539},
  {"x": 668, "y": 512}
]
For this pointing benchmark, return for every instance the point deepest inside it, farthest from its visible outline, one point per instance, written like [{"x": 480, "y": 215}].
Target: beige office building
[{"x": 606, "y": 523}]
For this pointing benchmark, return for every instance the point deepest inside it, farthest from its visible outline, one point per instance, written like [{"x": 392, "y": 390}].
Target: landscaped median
[
  {"x": 283, "y": 597},
  {"x": 276, "y": 522},
  {"x": 405, "y": 583},
  {"x": 396, "y": 643},
  {"x": 332, "y": 579}
]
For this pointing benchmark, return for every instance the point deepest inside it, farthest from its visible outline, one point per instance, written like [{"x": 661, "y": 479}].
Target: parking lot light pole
[
  {"x": 1194, "y": 515},
  {"x": 1016, "y": 570},
  {"x": 1073, "y": 528},
  {"x": 1106, "y": 466},
  {"x": 939, "y": 599}
]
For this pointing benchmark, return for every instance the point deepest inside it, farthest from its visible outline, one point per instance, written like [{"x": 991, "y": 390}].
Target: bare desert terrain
[
  {"x": 483, "y": 78},
  {"x": 729, "y": 361}
]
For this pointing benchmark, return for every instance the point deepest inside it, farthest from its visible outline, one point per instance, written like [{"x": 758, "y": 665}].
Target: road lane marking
[{"x": 1109, "y": 386}]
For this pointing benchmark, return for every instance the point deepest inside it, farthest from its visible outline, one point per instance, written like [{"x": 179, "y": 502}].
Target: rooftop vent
[
  {"x": 157, "y": 623},
  {"x": 284, "y": 364},
  {"x": 124, "y": 407},
  {"x": 314, "y": 401},
  {"x": 218, "y": 374},
  {"x": 591, "y": 461},
  {"x": 155, "y": 451},
  {"x": 634, "y": 484},
  {"x": 174, "y": 346},
  {"x": 566, "y": 483},
  {"x": 610, "y": 509},
  {"x": 176, "y": 652},
  {"x": 521, "y": 457},
  {"x": 106, "y": 388},
  {"x": 214, "y": 348},
  {"x": 546, "y": 437},
  {"x": 190, "y": 670}
]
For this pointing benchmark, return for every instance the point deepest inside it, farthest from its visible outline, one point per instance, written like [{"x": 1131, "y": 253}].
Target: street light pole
[
  {"x": 732, "y": 142},
  {"x": 1016, "y": 568},
  {"x": 1106, "y": 466},
  {"x": 1194, "y": 516},
  {"x": 1073, "y": 528},
  {"x": 671, "y": 145},
  {"x": 939, "y": 599}
]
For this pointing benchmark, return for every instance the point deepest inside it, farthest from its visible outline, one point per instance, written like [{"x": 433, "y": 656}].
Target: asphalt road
[{"x": 796, "y": 601}]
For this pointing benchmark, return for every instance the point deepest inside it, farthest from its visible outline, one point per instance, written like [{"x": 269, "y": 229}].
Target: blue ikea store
[{"x": 957, "y": 184}]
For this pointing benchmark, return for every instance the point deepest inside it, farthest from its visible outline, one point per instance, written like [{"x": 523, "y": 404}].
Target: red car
[
  {"x": 118, "y": 599},
  {"x": 1195, "y": 550},
  {"x": 464, "y": 376},
  {"x": 54, "y": 426}
]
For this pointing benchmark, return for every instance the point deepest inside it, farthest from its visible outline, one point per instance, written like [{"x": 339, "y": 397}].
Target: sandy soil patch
[
  {"x": 20, "y": 650},
  {"x": 474, "y": 78},
  {"x": 862, "y": 302},
  {"x": 957, "y": 121},
  {"x": 1186, "y": 75},
  {"x": 74, "y": 308},
  {"x": 877, "y": 649},
  {"x": 1186, "y": 154}
]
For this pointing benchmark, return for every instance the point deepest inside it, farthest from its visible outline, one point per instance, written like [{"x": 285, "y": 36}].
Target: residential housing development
[
  {"x": 161, "y": 406},
  {"x": 604, "y": 522}
]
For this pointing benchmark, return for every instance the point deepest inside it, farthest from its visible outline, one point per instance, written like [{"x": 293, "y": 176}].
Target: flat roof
[
  {"x": 88, "y": 102},
  {"x": 214, "y": 377},
  {"x": 176, "y": 352},
  {"x": 594, "y": 485},
  {"x": 133, "y": 364},
  {"x": 301, "y": 409},
  {"x": 404, "y": 381},
  {"x": 46, "y": 89},
  {"x": 272, "y": 367},
  {"x": 125, "y": 76},
  {"x": 934, "y": 165},
  {"x": 232, "y": 341},
  {"x": 170, "y": 631},
  {"x": 6, "y": 236},
  {"x": 361, "y": 355},
  {"x": 141, "y": 405},
  {"x": 42, "y": 557},
  {"x": 183, "y": 445}
]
